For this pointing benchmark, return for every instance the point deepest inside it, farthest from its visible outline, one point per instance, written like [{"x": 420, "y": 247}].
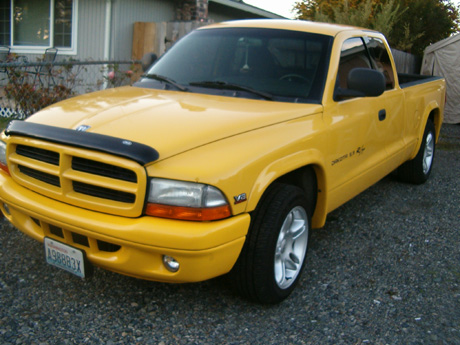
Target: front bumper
[{"x": 130, "y": 246}]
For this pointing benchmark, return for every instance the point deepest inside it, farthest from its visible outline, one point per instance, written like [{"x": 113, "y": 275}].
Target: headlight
[
  {"x": 186, "y": 200},
  {"x": 3, "y": 163}
]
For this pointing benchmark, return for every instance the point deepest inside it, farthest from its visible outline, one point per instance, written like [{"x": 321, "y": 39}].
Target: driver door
[{"x": 356, "y": 137}]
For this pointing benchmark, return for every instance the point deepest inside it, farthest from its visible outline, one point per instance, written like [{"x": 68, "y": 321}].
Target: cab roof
[{"x": 286, "y": 24}]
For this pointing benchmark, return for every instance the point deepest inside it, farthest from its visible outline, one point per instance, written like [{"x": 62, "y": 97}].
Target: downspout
[{"x": 107, "y": 36}]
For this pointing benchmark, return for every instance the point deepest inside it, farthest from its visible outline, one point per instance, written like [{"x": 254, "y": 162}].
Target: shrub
[
  {"x": 117, "y": 77},
  {"x": 28, "y": 92}
]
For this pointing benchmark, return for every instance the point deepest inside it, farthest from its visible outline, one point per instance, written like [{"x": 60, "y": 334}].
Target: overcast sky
[{"x": 283, "y": 7}]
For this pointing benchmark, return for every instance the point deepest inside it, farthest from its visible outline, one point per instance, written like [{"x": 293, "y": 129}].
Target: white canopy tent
[{"x": 443, "y": 59}]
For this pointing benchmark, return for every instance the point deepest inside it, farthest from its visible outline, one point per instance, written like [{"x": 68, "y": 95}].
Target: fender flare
[
  {"x": 286, "y": 165},
  {"x": 432, "y": 108}
]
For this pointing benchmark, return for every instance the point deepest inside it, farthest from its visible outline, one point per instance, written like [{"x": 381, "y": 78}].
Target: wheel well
[
  {"x": 306, "y": 179},
  {"x": 435, "y": 117}
]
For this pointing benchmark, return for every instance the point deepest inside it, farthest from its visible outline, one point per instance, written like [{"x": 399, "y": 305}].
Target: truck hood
[{"x": 169, "y": 121}]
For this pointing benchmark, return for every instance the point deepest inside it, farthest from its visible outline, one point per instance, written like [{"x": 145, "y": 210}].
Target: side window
[
  {"x": 381, "y": 60},
  {"x": 353, "y": 55}
]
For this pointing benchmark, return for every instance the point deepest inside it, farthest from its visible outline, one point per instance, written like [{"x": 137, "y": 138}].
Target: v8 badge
[{"x": 240, "y": 198}]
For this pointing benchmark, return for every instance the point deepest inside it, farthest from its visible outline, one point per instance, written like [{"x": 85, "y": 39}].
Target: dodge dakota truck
[{"x": 224, "y": 155}]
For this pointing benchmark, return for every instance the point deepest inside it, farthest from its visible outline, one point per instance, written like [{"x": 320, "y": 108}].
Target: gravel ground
[{"x": 384, "y": 270}]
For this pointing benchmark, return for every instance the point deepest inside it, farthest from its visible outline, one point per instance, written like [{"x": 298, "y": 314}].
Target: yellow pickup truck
[{"x": 222, "y": 157}]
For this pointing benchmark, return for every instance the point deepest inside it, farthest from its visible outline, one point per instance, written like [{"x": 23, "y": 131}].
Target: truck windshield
[{"x": 267, "y": 64}]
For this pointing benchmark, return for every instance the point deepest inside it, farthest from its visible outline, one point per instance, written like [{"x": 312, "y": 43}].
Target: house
[{"x": 102, "y": 29}]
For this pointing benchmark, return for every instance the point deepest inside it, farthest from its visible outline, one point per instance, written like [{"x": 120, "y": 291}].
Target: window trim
[
  {"x": 372, "y": 63},
  {"x": 41, "y": 49},
  {"x": 367, "y": 40}
]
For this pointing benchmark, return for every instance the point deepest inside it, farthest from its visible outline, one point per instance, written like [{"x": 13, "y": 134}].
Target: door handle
[{"x": 382, "y": 115}]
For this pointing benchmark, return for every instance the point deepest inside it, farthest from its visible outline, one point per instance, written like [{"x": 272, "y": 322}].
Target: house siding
[
  {"x": 126, "y": 13},
  {"x": 91, "y": 27}
]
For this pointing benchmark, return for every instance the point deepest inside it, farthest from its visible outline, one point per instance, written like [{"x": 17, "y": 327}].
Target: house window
[
  {"x": 5, "y": 23},
  {"x": 63, "y": 23},
  {"x": 31, "y": 25},
  {"x": 36, "y": 24}
]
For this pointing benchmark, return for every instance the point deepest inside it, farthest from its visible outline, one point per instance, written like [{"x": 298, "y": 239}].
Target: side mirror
[
  {"x": 148, "y": 60},
  {"x": 362, "y": 82},
  {"x": 368, "y": 81}
]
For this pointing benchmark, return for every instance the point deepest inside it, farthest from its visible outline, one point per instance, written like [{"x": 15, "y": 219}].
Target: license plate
[{"x": 65, "y": 257}]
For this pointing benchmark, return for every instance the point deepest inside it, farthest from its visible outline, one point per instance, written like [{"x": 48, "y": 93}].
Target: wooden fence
[
  {"x": 159, "y": 37},
  {"x": 406, "y": 63}
]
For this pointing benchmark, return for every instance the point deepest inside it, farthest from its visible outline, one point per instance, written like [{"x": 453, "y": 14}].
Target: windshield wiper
[
  {"x": 222, "y": 85},
  {"x": 166, "y": 80}
]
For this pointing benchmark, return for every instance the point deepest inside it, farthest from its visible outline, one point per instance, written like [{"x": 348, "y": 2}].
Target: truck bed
[{"x": 406, "y": 80}]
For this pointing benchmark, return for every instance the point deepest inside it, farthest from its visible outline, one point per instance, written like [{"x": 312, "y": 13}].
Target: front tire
[
  {"x": 418, "y": 170},
  {"x": 274, "y": 254}
]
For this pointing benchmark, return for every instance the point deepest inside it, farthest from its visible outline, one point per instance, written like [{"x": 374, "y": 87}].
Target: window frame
[
  {"x": 369, "y": 58},
  {"x": 390, "y": 83},
  {"x": 72, "y": 50},
  {"x": 167, "y": 64},
  {"x": 363, "y": 53}
]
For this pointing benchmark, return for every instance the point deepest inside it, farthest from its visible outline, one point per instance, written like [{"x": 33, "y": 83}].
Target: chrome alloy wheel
[
  {"x": 428, "y": 153},
  {"x": 291, "y": 247}
]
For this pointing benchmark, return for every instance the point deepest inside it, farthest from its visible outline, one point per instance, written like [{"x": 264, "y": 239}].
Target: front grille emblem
[{"x": 82, "y": 128}]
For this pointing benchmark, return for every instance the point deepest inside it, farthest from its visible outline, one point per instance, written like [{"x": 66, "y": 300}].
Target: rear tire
[
  {"x": 418, "y": 170},
  {"x": 274, "y": 254}
]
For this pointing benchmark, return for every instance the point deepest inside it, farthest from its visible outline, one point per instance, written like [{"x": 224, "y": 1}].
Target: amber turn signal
[{"x": 188, "y": 213}]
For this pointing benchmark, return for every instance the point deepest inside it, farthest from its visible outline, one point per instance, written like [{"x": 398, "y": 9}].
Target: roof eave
[{"x": 248, "y": 8}]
